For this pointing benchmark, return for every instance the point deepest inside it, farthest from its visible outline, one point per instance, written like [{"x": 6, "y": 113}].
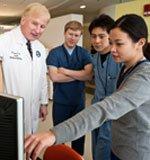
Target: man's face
[
  {"x": 72, "y": 37},
  {"x": 100, "y": 40},
  {"x": 33, "y": 26}
]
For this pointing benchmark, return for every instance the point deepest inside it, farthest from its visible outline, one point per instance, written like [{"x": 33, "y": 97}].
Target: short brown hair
[{"x": 74, "y": 25}]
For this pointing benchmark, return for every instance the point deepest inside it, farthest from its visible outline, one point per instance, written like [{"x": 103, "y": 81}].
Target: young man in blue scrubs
[
  {"x": 106, "y": 72},
  {"x": 69, "y": 67}
]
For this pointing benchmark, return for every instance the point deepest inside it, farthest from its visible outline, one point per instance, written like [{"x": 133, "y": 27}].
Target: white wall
[
  {"x": 109, "y": 10},
  {"x": 53, "y": 34}
]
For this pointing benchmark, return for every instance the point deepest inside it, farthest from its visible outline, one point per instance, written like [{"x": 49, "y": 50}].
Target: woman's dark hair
[
  {"x": 136, "y": 28},
  {"x": 103, "y": 21}
]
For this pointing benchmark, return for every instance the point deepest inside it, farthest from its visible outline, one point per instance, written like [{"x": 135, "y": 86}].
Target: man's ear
[
  {"x": 141, "y": 42},
  {"x": 22, "y": 20}
]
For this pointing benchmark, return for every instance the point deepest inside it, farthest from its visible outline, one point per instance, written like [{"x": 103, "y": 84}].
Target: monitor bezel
[{"x": 20, "y": 124}]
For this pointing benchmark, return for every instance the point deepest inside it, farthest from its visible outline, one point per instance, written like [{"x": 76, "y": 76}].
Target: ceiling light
[{"x": 83, "y": 6}]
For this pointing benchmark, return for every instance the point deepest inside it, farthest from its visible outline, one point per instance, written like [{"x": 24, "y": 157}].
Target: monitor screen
[{"x": 11, "y": 127}]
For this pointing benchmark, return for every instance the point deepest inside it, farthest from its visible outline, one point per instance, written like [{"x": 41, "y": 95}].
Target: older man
[{"x": 23, "y": 64}]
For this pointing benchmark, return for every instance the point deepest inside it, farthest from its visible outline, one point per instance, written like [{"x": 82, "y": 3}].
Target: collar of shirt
[
  {"x": 69, "y": 50},
  {"x": 20, "y": 37}
]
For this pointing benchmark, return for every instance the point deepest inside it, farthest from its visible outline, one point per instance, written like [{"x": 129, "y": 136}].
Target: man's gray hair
[{"x": 36, "y": 7}]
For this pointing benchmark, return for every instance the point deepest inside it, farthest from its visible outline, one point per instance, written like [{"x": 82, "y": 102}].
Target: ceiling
[{"x": 10, "y": 10}]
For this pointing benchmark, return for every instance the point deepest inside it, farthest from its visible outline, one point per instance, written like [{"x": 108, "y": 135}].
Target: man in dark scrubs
[{"x": 69, "y": 67}]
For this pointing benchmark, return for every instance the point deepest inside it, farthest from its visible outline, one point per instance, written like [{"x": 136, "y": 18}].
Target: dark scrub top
[{"x": 70, "y": 92}]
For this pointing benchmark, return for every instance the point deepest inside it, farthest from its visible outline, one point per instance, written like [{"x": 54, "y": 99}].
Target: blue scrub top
[
  {"x": 69, "y": 93},
  {"x": 106, "y": 76}
]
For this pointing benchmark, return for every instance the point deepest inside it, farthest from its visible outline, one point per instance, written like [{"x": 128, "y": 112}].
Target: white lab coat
[{"x": 23, "y": 76}]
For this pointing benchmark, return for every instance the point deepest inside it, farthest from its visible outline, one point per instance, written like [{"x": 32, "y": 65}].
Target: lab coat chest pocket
[
  {"x": 18, "y": 55},
  {"x": 18, "y": 61}
]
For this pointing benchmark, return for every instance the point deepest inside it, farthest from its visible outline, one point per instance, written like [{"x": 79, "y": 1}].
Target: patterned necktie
[{"x": 29, "y": 48}]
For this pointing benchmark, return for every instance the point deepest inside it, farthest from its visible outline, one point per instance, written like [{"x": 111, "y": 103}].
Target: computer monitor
[{"x": 11, "y": 127}]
